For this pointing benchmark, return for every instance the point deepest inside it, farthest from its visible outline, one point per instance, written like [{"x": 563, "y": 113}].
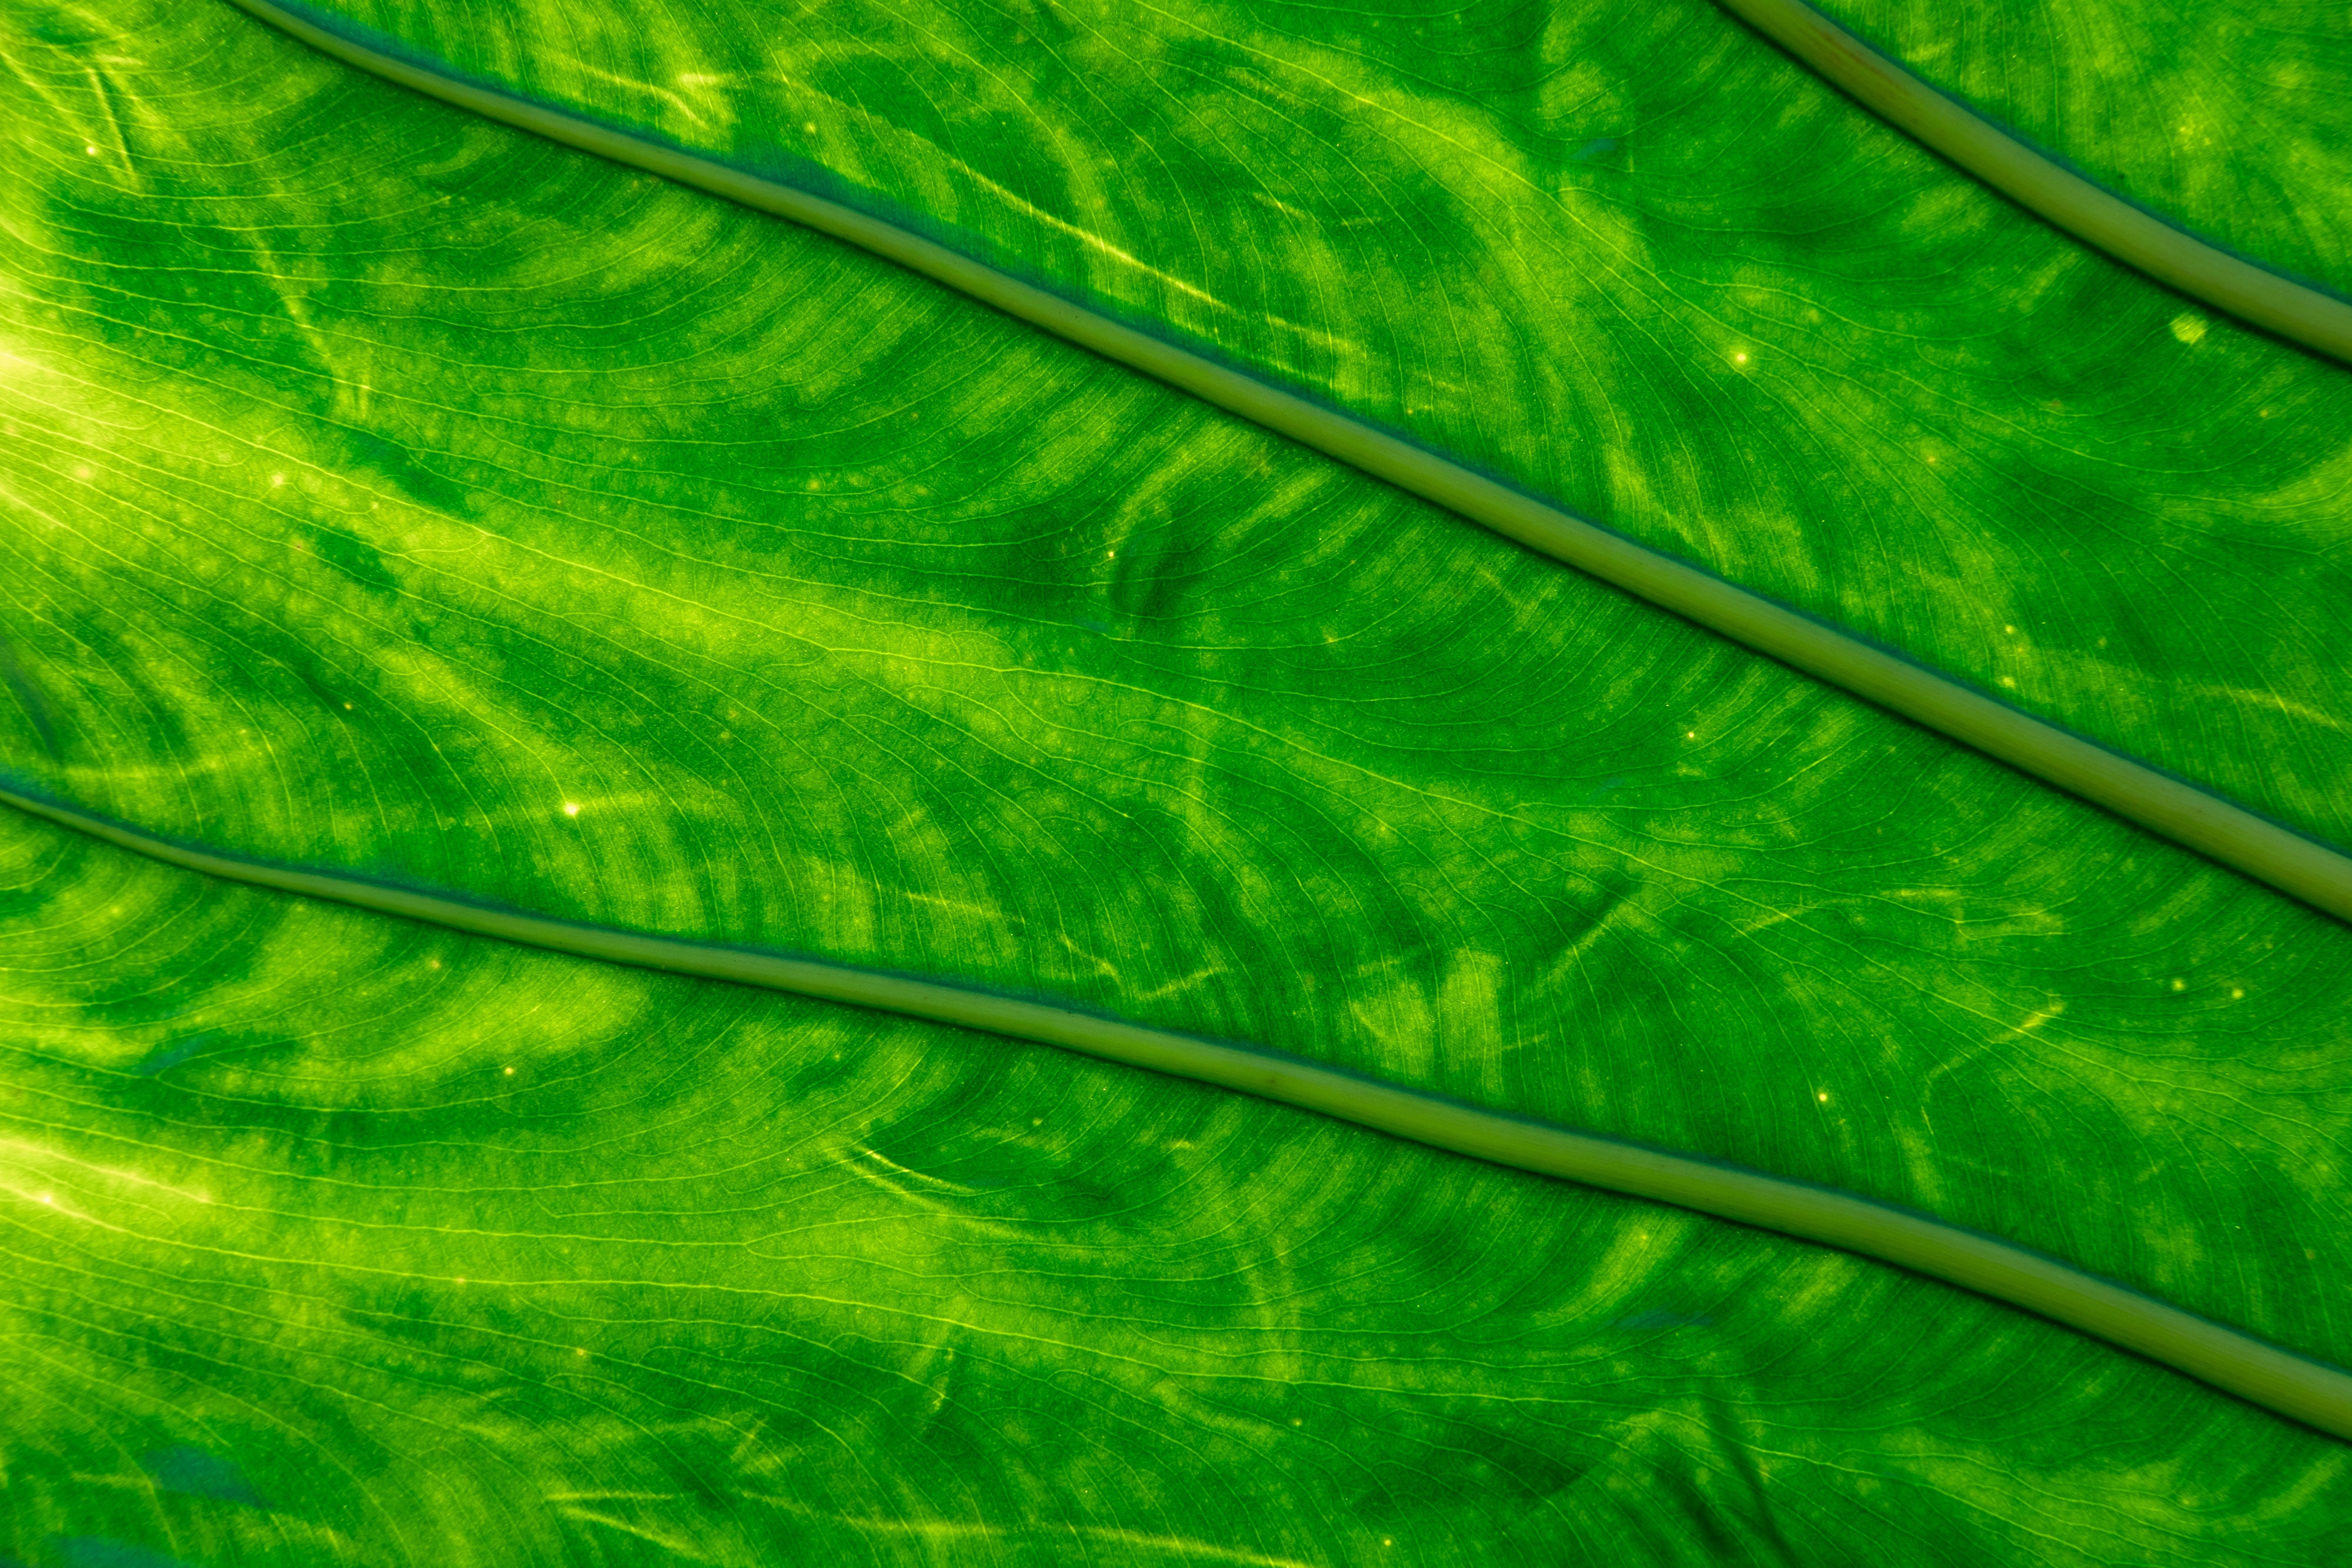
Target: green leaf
[
  {"x": 2233, "y": 126},
  {"x": 380, "y": 484},
  {"x": 1634, "y": 258}
]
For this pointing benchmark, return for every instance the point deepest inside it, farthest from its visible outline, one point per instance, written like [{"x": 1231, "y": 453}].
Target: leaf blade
[
  {"x": 1757, "y": 329},
  {"x": 878, "y": 1290},
  {"x": 1306, "y": 792}
]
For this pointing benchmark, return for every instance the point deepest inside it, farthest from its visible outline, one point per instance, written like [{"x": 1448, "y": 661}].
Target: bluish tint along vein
[
  {"x": 2261, "y": 295},
  {"x": 2295, "y": 863},
  {"x": 2295, "y": 1386},
  {"x": 1762, "y": 333}
]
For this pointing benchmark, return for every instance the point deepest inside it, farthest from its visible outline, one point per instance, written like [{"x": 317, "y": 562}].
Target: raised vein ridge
[
  {"x": 2315, "y": 873},
  {"x": 2230, "y": 1359}
]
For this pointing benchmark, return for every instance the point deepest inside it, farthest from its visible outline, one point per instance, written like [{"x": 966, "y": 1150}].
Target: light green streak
[
  {"x": 2228, "y": 1359},
  {"x": 2313, "y": 872},
  {"x": 2310, "y": 317}
]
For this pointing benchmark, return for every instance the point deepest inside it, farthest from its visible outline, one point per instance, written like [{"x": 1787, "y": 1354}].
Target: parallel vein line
[
  {"x": 2236, "y": 836},
  {"x": 2313, "y": 317},
  {"x": 2230, "y": 1359}
]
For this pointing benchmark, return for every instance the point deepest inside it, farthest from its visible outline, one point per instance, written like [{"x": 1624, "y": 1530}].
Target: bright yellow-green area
[
  {"x": 2232, "y": 119},
  {"x": 383, "y": 490},
  {"x": 1630, "y": 255}
]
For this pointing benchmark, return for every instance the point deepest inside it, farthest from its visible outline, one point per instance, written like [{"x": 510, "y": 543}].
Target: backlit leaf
[{"x": 389, "y": 491}]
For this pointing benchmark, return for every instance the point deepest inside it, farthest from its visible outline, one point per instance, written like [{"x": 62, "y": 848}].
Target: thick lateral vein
[
  {"x": 2166, "y": 251},
  {"x": 2315, "y": 873},
  {"x": 2293, "y": 1385}
]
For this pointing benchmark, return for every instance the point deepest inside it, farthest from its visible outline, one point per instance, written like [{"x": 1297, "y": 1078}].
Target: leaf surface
[
  {"x": 382, "y": 484},
  {"x": 2234, "y": 125},
  {"x": 1632, "y": 257}
]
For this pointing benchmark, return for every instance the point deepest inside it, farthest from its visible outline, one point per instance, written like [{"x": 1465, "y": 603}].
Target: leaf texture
[
  {"x": 390, "y": 491},
  {"x": 2234, "y": 126},
  {"x": 1630, "y": 257},
  {"x": 333, "y": 1239}
]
